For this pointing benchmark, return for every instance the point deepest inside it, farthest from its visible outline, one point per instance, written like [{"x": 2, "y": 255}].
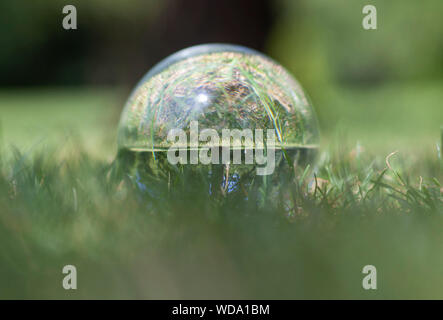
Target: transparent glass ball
[{"x": 221, "y": 87}]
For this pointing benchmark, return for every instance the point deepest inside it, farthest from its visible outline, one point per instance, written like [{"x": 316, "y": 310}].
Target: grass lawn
[{"x": 62, "y": 203}]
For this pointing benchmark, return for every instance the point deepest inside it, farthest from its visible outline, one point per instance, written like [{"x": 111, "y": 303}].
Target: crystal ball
[{"x": 220, "y": 86}]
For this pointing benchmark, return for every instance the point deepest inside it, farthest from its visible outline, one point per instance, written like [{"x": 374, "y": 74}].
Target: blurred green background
[{"x": 381, "y": 88}]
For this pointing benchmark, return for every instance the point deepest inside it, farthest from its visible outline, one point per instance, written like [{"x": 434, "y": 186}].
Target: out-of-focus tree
[
  {"x": 324, "y": 41},
  {"x": 116, "y": 41}
]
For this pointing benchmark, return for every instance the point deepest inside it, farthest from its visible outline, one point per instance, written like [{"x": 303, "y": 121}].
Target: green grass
[
  {"x": 62, "y": 203},
  {"x": 35, "y": 118},
  {"x": 394, "y": 116}
]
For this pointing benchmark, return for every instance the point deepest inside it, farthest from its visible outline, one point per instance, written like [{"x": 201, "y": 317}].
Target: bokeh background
[
  {"x": 61, "y": 95},
  {"x": 379, "y": 88}
]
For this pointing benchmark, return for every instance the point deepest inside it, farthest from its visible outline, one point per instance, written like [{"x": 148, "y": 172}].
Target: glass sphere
[{"x": 220, "y": 86}]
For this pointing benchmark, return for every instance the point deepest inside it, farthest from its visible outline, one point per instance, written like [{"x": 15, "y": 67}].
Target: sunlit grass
[
  {"x": 350, "y": 210},
  {"x": 355, "y": 206}
]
